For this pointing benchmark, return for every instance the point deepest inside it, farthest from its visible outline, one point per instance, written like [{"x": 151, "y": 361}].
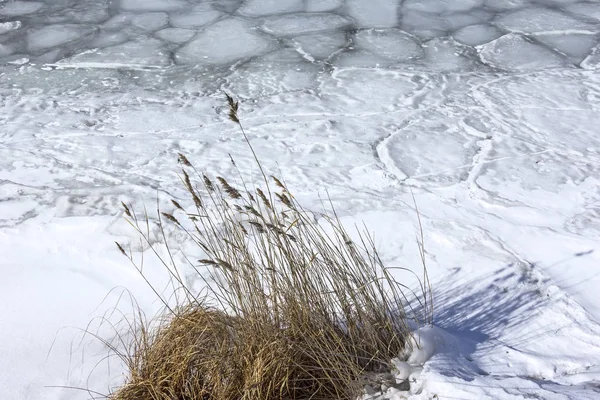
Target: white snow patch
[{"x": 9, "y": 26}]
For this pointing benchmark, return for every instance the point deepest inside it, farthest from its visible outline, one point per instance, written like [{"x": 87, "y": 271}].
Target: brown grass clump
[{"x": 293, "y": 308}]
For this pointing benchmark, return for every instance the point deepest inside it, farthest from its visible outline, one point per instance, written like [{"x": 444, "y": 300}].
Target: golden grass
[{"x": 294, "y": 308}]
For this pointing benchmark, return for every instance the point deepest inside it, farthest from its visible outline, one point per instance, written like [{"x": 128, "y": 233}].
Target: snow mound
[
  {"x": 428, "y": 341},
  {"x": 5, "y": 50},
  {"x": 506, "y": 5}
]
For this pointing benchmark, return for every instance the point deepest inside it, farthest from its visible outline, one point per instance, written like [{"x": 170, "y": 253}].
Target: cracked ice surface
[{"x": 486, "y": 110}]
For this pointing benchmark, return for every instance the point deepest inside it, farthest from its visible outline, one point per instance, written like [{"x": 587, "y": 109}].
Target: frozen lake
[{"x": 487, "y": 110}]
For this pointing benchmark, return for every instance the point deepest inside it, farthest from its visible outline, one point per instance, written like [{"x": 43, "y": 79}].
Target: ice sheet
[
  {"x": 256, "y": 8},
  {"x": 196, "y": 17},
  {"x": 175, "y": 35},
  {"x": 55, "y": 35},
  {"x": 224, "y": 42},
  {"x": 17, "y": 8},
  {"x": 374, "y": 13},
  {"x": 319, "y": 45},
  {"x": 475, "y": 35},
  {"x": 515, "y": 52},
  {"x": 152, "y": 5},
  {"x": 299, "y": 24},
  {"x": 542, "y": 20},
  {"x": 392, "y": 44}
]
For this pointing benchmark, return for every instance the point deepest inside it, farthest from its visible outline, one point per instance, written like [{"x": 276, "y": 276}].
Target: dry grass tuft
[{"x": 294, "y": 308}]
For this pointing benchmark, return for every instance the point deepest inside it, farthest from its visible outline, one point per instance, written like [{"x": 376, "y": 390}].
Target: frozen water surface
[
  {"x": 319, "y": 45},
  {"x": 17, "y": 8},
  {"x": 506, "y": 5},
  {"x": 485, "y": 110},
  {"x": 588, "y": 10},
  {"x": 541, "y": 19},
  {"x": 474, "y": 35},
  {"x": 196, "y": 17},
  {"x": 515, "y": 52},
  {"x": 175, "y": 35},
  {"x": 105, "y": 39},
  {"x": 55, "y": 35},
  {"x": 374, "y": 13},
  {"x": 323, "y": 5},
  {"x": 138, "y": 53},
  {"x": 152, "y": 5},
  {"x": 574, "y": 45},
  {"x": 441, "y": 6},
  {"x": 224, "y": 42},
  {"x": 393, "y": 44},
  {"x": 151, "y": 21},
  {"x": 299, "y": 24},
  {"x": 443, "y": 54},
  {"x": 256, "y": 8}
]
